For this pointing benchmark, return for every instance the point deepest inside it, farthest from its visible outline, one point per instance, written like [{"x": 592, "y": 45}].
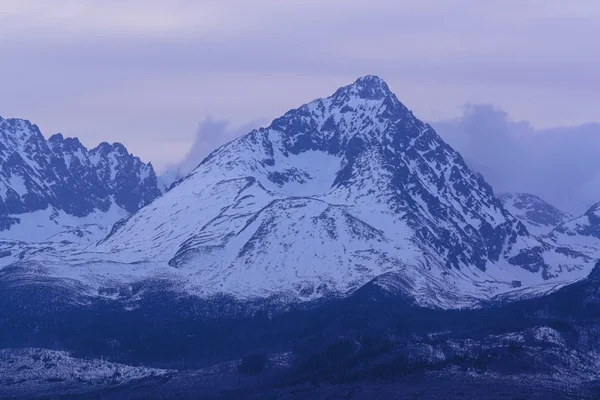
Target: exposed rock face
[
  {"x": 45, "y": 184},
  {"x": 538, "y": 216},
  {"x": 332, "y": 195}
]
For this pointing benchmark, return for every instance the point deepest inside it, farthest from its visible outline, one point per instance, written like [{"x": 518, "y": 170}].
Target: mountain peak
[
  {"x": 371, "y": 81},
  {"x": 65, "y": 142},
  {"x": 330, "y": 196},
  {"x": 369, "y": 87},
  {"x": 57, "y": 137},
  {"x": 20, "y": 129},
  {"x": 60, "y": 180},
  {"x": 595, "y": 209},
  {"x": 106, "y": 147},
  {"x": 538, "y": 216}
]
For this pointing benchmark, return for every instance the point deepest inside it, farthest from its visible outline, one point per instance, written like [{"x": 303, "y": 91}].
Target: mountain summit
[
  {"x": 48, "y": 186},
  {"x": 538, "y": 216},
  {"x": 341, "y": 191},
  {"x": 369, "y": 87},
  {"x": 581, "y": 233}
]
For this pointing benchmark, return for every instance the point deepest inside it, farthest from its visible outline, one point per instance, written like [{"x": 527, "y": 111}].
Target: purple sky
[{"x": 148, "y": 72}]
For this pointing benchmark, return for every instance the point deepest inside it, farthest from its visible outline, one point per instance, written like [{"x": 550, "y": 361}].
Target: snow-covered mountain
[
  {"x": 47, "y": 186},
  {"x": 537, "y": 215},
  {"x": 169, "y": 178},
  {"x": 581, "y": 233},
  {"x": 204, "y": 291},
  {"x": 331, "y": 195}
]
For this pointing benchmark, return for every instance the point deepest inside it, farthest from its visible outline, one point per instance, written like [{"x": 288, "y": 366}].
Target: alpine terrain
[
  {"x": 538, "y": 216},
  {"x": 344, "y": 250},
  {"x": 581, "y": 233},
  {"x": 58, "y": 187},
  {"x": 331, "y": 195}
]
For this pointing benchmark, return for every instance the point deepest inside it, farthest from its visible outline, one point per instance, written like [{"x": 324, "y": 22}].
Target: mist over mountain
[
  {"x": 299, "y": 200},
  {"x": 211, "y": 134},
  {"x": 558, "y": 164},
  {"x": 346, "y": 243},
  {"x": 538, "y": 216}
]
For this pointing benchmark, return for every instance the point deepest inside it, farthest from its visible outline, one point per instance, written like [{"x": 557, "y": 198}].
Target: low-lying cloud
[
  {"x": 211, "y": 134},
  {"x": 144, "y": 72},
  {"x": 559, "y": 164}
]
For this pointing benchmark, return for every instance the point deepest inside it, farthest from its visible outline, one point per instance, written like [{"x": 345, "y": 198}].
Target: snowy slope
[
  {"x": 43, "y": 369},
  {"x": 47, "y": 186},
  {"x": 169, "y": 178},
  {"x": 330, "y": 196},
  {"x": 538, "y": 216},
  {"x": 581, "y": 234}
]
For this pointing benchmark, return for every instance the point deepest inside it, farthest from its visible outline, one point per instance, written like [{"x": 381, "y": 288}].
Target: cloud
[
  {"x": 111, "y": 17},
  {"x": 559, "y": 164},
  {"x": 211, "y": 134},
  {"x": 143, "y": 72}
]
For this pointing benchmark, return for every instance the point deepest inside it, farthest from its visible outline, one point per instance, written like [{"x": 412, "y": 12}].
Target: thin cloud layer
[
  {"x": 211, "y": 134},
  {"x": 559, "y": 164},
  {"x": 145, "y": 72}
]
